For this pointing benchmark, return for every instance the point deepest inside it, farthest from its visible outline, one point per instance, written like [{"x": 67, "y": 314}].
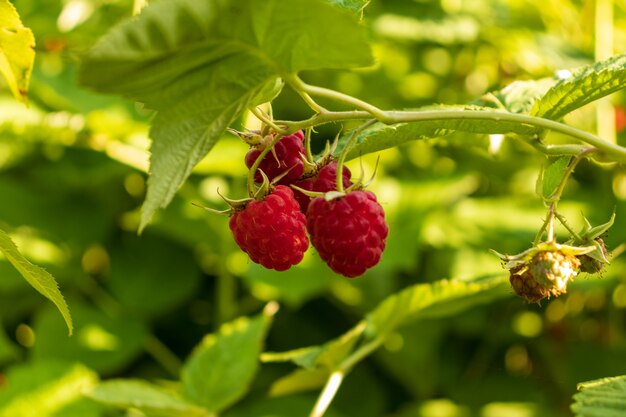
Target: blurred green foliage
[{"x": 72, "y": 178}]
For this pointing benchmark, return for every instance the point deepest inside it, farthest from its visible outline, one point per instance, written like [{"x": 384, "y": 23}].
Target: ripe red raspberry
[
  {"x": 288, "y": 150},
  {"x": 348, "y": 232},
  {"x": 324, "y": 181},
  {"x": 273, "y": 231}
]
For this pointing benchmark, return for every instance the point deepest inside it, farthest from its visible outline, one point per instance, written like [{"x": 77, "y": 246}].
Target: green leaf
[
  {"x": 220, "y": 369},
  {"x": 439, "y": 299},
  {"x": 300, "y": 380},
  {"x": 17, "y": 50},
  {"x": 200, "y": 64},
  {"x": 353, "y": 5},
  {"x": 604, "y": 397},
  {"x": 585, "y": 86},
  {"x": 552, "y": 175},
  {"x": 148, "y": 398},
  {"x": 327, "y": 356},
  {"x": 381, "y": 136},
  {"x": 517, "y": 97},
  {"x": 37, "y": 277},
  {"x": 48, "y": 389}
]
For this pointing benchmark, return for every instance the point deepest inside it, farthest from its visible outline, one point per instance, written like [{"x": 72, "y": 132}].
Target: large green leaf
[
  {"x": 39, "y": 278},
  {"x": 200, "y": 64},
  {"x": 585, "y": 86},
  {"x": 150, "y": 399},
  {"x": 381, "y": 136},
  {"x": 220, "y": 369},
  {"x": 439, "y": 299},
  {"x": 17, "y": 50},
  {"x": 48, "y": 389},
  {"x": 604, "y": 397}
]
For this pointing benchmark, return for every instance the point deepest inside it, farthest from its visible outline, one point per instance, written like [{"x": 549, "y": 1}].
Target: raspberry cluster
[{"x": 348, "y": 229}]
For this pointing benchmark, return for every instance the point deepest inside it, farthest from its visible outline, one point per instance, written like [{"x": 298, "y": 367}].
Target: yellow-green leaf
[
  {"x": 17, "y": 50},
  {"x": 37, "y": 277}
]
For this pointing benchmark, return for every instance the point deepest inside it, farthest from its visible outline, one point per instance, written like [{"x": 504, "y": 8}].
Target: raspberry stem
[
  {"x": 346, "y": 149},
  {"x": 257, "y": 162},
  {"x": 267, "y": 121},
  {"x": 367, "y": 111}
]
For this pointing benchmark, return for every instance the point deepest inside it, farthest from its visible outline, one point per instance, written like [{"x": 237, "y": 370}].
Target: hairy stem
[
  {"x": 556, "y": 195},
  {"x": 346, "y": 149},
  {"x": 338, "y": 97},
  {"x": 257, "y": 162},
  {"x": 300, "y": 87},
  {"x": 266, "y": 120},
  {"x": 616, "y": 152}
]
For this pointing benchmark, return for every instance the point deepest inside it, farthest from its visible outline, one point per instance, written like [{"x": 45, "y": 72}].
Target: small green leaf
[
  {"x": 200, "y": 64},
  {"x": 299, "y": 380},
  {"x": 517, "y": 97},
  {"x": 17, "y": 50},
  {"x": 604, "y": 397},
  {"x": 381, "y": 136},
  {"x": 552, "y": 175},
  {"x": 148, "y": 398},
  {"x": 440, "y": 299},
  {"x": 220, "y": 369},
  {"x": 327, "y": 356},
  {"x": 36, "y": 276},
  {"x": 48, "y": 389},
  {"x": 583, "y": 87}
]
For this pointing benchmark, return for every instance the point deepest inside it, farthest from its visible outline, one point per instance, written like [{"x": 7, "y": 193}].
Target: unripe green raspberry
[
  {"x": 591, "y": 265},
  {"x": 553, "y": 270},
  {"x": 525, "y": 285}
]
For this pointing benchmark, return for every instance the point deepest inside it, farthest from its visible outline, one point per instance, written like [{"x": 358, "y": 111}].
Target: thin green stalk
[
  {"x": 300, "y": 87},
  {"x": 556, "y": 195},
  {"x": 360, "y": 354},
  {"x": 256, "y": 164},
  {"x": 307, "y": 146},
  {"x": 344, "y": 153},
  {"x": 303, "y": 87},
  {"x": 164, "y": 357},
  {"x": 259, "y": 115},
  {"x": 327, "y": 394},
  {"x": 392, "y": 117},
  {"x": 563, "y": 221}
]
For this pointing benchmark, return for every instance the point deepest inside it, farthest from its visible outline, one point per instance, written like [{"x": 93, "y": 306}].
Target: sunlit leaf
[
  {"x": 439, "y": 299},
  {"x": 583, "y": 87},
  {"x": 604, "y": 397},
  {"x": 381, "y": 136},
  {"x": 220, "y": 369},
  {"x": 517, "y": 97},
  {"x": 145, "y": 397},
  {"x": 37, "y": 277},
  {"x": 48, "y": 389},
  {"x": 17, "y": 50},
  {"x": 552, "y": 176},
  {"x": 200, "y": 64},
  {"x": 300, "y": 380},
  {"x": 327, "y": 356}
]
